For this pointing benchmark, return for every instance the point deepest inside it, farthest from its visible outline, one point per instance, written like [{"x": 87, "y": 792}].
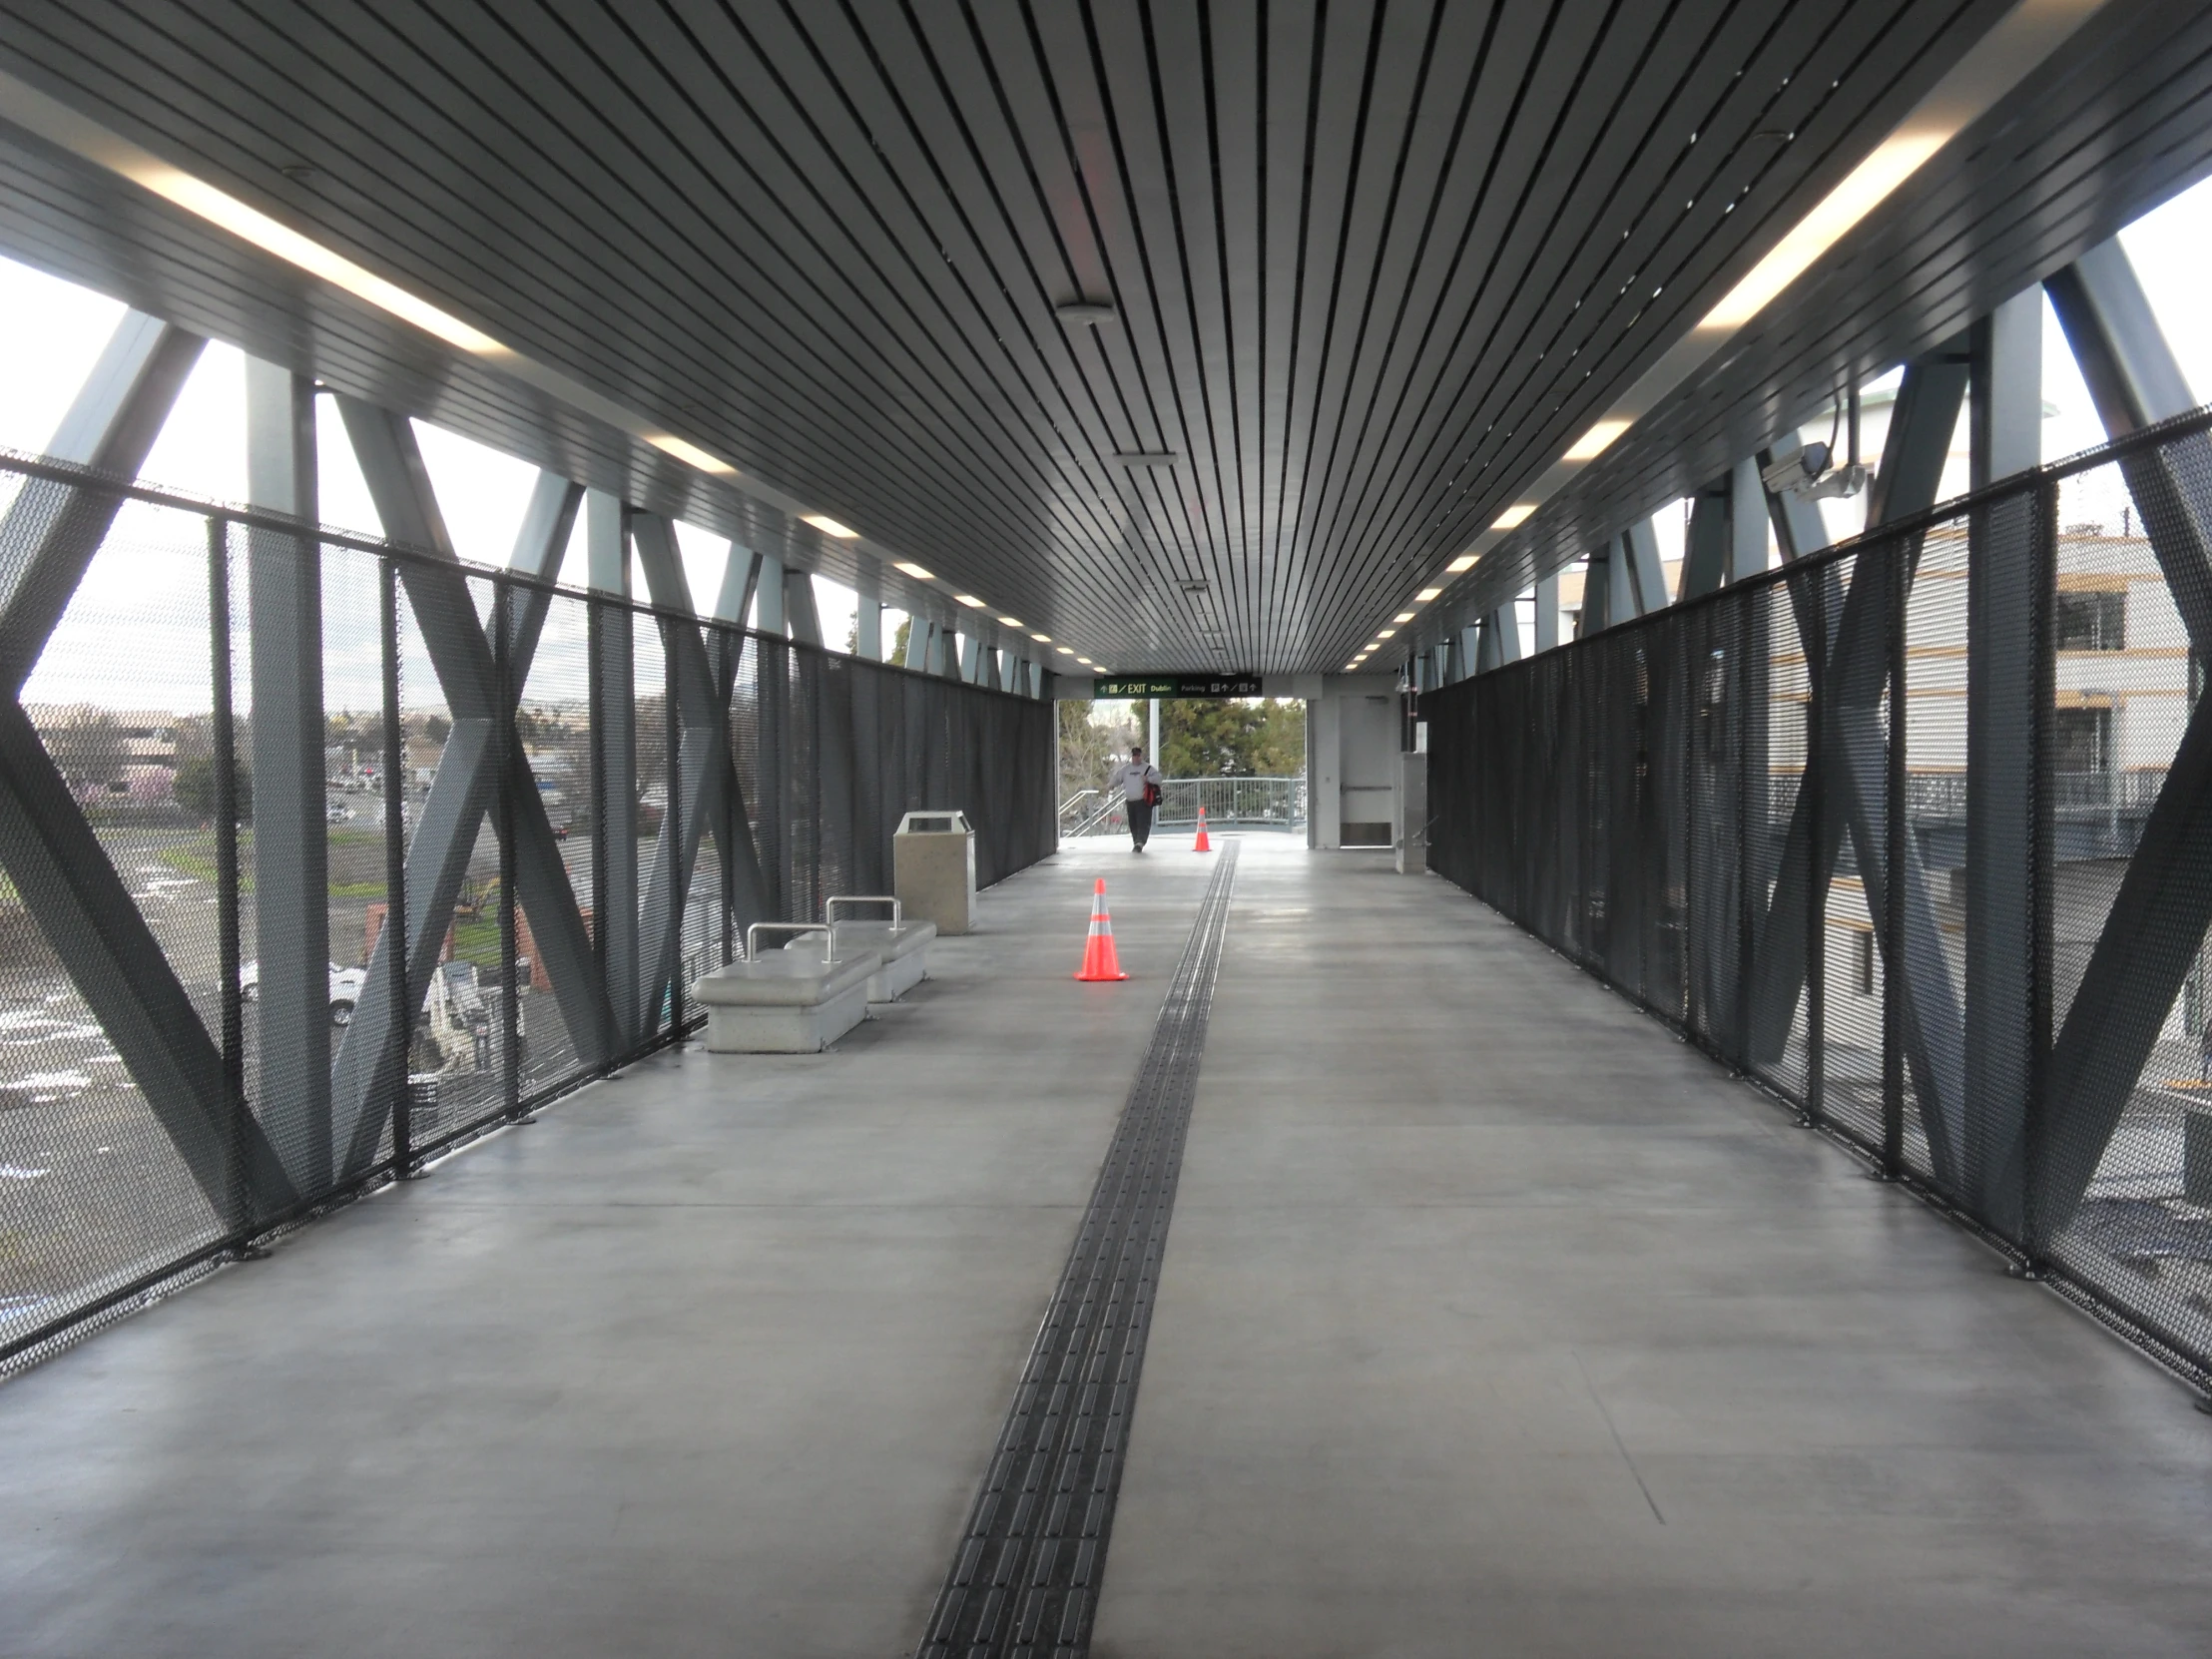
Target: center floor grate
[{"x": 1025, "y": 1580}]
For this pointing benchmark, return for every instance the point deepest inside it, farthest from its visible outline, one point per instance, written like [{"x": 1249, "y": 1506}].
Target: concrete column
[
  {"x": 291, "y": 897},
  {"x": 1547, "y": 613}
]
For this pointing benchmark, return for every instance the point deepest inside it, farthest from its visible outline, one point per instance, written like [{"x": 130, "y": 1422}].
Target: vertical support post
[
  {"x": 2036, "y": 1225},
  {"x": 395, "y": 868},
  {"x": 868, "y": 618},
  {"x": 1896, "y": 850},
  {"x": 1816, "y": 891},
  {"x": 799, "y": 611},
  {"x": 238, "y": 1204},
  {"x": 615, "y": 756},
  {"x": 672, "y": 823},
  {"x": 771, "y": 617},
  {"x": 2005, "y": 664},
  {"x": 1152, "y": 746},
  {"x": 506, "y": 740},
  {"x": 1547, "y": 613},
  {"x": 1747, "y": 521},
  {"x": 291, "y": 904}
]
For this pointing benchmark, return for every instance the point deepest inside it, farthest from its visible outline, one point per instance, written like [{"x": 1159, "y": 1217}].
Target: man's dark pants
[{"x": 1140, "y": 822}]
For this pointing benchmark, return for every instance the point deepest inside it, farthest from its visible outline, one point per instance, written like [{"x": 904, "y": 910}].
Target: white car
[{"x": 346, "y": 990}]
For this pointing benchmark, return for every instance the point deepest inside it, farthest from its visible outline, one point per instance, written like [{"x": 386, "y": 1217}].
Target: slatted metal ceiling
[{"x": 1372, "y": 265}]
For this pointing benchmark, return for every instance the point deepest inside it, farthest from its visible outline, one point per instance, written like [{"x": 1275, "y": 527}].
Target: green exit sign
[{"x": 1179, "y": 684}]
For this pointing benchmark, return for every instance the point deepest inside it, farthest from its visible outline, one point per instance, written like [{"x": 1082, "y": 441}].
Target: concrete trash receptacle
[{"x": 934, "y": 869}]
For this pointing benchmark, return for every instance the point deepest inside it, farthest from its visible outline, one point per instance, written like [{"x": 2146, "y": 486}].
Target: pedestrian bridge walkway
[{"x": 1492, "y": 1319}]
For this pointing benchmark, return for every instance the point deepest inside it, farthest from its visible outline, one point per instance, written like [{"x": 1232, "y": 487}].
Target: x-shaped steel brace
[{"x": 365, "y": 1072}]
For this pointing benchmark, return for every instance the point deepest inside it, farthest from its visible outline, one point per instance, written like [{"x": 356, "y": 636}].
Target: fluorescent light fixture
[
  {"x": 1426, "y": 595},
  {"x": 1010, "y": 621},
  {"x": 1384, "y": 632},
  {"x": 1402, "y": 616},
  {"x": 1086, "y": 661},
  {"x": 1351, "y": 666},
  {"x": 227, "y": 212},
  {"x": 1065, "y": 650},
  {"x": 1864, "y": 189},
  {"x": 1516, "y": 514},
  {"x": 1593, "y": 444},
  {"x": 1463, "y": 564},
  {"x": 682, "y": 449},
  {"x": 829, "y": 526},
  {"x": 971, "y": 601},
  {"x": 915, "y": 571},
  {"x": 1042, "y": 639}
]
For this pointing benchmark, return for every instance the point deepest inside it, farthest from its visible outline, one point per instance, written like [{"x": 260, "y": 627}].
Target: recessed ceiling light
[
  {"x": 1464, "y": 562},
  {"x": 1426, "y": 594},
  {"x": 250, "y": 225},
  {"x": 1086, "y": 661},
  {"x": 1516, "y": 514},
  {"x": 1010, "y": 621},
  {"x": 1089, "y": 312},
  {"x": 1042, "y": 639},
  {"x": 1144, "y": 457},
  {"x": 682, "y": 449},
  {"x": 1065, "y": 650},
  {"x": 1402, "y": 616},
  {"x": 915, "y": 571},
  {"x": 828, "y": 526},
  {"x": 1384, "y": 632},
  {"x": 1374, "y": 645},
  {"x": 1593, "y": 444},
  {"x": 1351, "y": 666},
  {"x": 971, "y": 601}
]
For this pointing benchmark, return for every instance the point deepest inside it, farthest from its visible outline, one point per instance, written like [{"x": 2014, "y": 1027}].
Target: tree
[
  {"x": 196, "y": 789},
  {"x": 1092, "y": 736},
  {"x": 1206, "y": 738}
]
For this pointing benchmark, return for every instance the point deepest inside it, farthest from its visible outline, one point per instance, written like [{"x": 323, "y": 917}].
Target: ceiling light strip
[{"x": 55, "y": 122}]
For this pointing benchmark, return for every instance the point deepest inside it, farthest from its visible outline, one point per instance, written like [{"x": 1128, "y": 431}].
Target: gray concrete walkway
[{"x": 1493, "y": 1322}]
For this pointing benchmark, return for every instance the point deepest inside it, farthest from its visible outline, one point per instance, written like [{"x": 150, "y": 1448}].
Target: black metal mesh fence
[
  {"x": 208, "y": 1028},
  {"x": 1918, "y": 831}
]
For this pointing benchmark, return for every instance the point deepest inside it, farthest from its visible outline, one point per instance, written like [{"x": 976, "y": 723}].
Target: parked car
[{"x": 346, "y": 990}]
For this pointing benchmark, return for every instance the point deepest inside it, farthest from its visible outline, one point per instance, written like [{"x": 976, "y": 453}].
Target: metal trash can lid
[{"x": 952, "y": 823}]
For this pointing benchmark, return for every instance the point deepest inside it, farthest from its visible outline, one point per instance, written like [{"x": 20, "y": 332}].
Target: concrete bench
[
  {"x": 785, "y": 1001},
  {"x": 903, "y": 944}
]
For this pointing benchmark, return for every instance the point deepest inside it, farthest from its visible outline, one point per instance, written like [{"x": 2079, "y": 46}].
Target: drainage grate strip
[{"x": 1025, "y": 1580}]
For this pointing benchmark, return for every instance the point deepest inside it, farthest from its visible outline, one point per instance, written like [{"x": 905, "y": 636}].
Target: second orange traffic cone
[
  {"x": 1202, "y": 845},
  {"x": 1099, "y": 960}
]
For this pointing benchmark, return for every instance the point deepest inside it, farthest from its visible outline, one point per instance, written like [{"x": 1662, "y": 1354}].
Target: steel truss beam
[
  {"x": 48, "y": 541},
  {"x": 467, "y": 662},
  {"x": 2158, "y": 919},
  {"x": 1854, "y": 672},
  {"x": 705, "y": 793}
]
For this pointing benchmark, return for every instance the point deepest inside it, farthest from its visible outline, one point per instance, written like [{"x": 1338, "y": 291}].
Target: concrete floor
[{"x": 1493, "y": 1322}]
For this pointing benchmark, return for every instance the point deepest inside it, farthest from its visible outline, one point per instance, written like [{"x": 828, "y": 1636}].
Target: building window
[
  {"x": 2093, "y": 621},
  {"x": 2081, "y": 739},
  {"x": 1861, "y": 963}
]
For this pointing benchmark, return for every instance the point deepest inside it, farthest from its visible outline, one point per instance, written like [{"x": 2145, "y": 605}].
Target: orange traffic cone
[
  {"x": 1099, "y": 960},
  {"x": 1202, "y": 845}
]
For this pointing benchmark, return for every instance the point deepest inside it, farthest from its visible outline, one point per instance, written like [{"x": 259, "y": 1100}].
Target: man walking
[{"x": 1139, "y": 782}]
